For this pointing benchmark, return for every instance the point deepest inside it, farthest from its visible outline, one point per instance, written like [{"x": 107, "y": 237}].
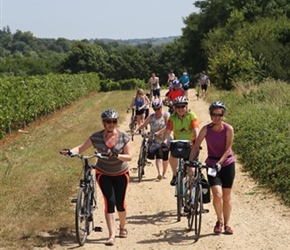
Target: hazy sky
[{"x": 85, "y": 19}]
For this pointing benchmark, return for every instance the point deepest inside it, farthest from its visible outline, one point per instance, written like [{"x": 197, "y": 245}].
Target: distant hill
[{"x": 153, "y": 41}]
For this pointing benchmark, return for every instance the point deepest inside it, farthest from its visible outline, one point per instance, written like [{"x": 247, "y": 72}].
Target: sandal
[
  {"x": 218, "y": 228},
  {"x": 110, "y": 241},
  {"x": 228, "y": 230},
  {"x": 123, "y": 233}
]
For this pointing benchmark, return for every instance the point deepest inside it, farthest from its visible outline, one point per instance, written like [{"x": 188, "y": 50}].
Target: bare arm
[
  {"x": 229, "y": 144},
  {"x": 126, "y": 154},
  {"x": 146, "y": 122},
  {"x": 82, "y": 147},
  {"x": 198, "y": 141}
]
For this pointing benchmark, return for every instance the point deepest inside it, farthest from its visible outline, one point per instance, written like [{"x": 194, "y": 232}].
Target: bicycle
[
  {"x": 142, "y": 155},
  {"x": 195, "y": 194},
  {"x": 86, "y": 201},
  {"x": 180, "y": 149},
  {"x": 133, "y": 123}
]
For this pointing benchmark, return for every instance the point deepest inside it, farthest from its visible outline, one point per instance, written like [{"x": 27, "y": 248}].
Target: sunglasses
[
  {"x": 180, "y": 106},
  {"x": 111, "y": 121},
  {"x": 156, "y": 109},
  {"x": 216, "y": 115}
]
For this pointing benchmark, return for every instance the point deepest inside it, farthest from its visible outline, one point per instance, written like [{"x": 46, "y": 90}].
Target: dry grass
[{"x": 36, "y": 182}]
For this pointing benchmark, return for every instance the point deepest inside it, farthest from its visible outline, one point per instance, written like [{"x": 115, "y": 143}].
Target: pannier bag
[
  {"x": 180, "y": 149},
  {"x": 205, "y": 190}
]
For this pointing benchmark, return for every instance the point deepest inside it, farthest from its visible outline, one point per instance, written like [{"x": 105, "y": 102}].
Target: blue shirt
[{"x": 184, "y": 80}]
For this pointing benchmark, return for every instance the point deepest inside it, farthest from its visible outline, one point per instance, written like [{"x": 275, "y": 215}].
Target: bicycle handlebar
[
  {"x": 194, "y": 164},
  {"x": 72, "y": 154}
]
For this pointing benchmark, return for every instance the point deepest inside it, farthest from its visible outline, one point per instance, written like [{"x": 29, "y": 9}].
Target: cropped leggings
[{"x": 114, "y": 191}]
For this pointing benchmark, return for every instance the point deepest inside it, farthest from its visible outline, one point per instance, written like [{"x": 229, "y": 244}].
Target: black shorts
[
  {"x": 225, "y": 177},
  {"x": 204, "y": 86},
  {"x": 140, "y": 112},
  {"x": 158, "y": 154},
  {"x": 156, "y": 92}
]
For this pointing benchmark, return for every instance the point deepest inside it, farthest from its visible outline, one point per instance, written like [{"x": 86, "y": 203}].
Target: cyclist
[
  {"x": 157, "y": 121},
  {"x": 111, "y": 174},
  {"x": 171, "y": 78},
  {"x": 219, "y": 138},
  {"x": 154, "y": 85},
  {"x": 184, "y": 125},
  {"x": 184, "y": 80},
  {"x": 140, "y": 101},
  {"x": 176, "y": 91}
]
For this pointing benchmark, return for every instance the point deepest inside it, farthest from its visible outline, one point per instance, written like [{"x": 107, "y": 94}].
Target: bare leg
[
  {"x": 227, "y": 205},
  {"x": 173, "y": 163},
  {"x": 217, "y": 202},
  {"x": 122, "y": 218},
  {"x": 110, "y": 219},
  {"x": 165, "y": 166},
  {"x": 159, "y": 166}
]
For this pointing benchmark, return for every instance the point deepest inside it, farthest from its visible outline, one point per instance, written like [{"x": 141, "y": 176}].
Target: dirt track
[{"x": 258, "y": 219}]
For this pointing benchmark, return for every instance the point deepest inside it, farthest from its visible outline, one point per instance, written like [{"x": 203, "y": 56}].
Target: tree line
[{"x": 233, "y": 41}]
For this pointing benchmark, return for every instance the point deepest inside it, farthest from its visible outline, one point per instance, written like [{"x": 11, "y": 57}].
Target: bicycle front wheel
[
  {"x": 81, "y": 220},
  {"x": 179, "y": 196},
  {"x": 198, "y": 206}
]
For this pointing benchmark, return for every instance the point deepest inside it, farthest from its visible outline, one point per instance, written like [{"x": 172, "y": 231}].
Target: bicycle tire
[
  {"x": 198, "y": 211},
  {"x": 81, "y": 220},
  {"x": 190, "y": 215},
  {"x": 179, "y": 195},
  {"x": 141, "y": 165}
]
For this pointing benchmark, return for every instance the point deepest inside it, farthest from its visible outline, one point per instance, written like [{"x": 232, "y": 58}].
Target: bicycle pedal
[
  {"x": 98, "y": 229},
  {"x": 74, "y": 200},
  {"x": 205, "y": 211}
]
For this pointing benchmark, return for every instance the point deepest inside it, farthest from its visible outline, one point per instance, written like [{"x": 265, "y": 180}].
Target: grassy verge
[{"x": 37, "y": 183}]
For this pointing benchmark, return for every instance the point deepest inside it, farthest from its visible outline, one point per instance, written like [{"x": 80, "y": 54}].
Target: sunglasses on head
[
  {"x": 180, "y": 106},
  {"x": 111, "y": 121},
  {"x": 216, "y": 115}
]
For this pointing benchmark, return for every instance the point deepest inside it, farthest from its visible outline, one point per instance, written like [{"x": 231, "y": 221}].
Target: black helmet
[
  {"x": 216, "y": 104},
  {"x": 180, "y": 100},
  {"x": 110, "y": 114}
]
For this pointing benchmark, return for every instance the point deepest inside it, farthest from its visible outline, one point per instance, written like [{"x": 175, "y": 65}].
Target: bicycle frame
[{"x": 132, "y": 124}]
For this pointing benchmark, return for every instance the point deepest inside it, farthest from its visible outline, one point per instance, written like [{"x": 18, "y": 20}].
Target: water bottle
[{"x": 193, "y": 194}]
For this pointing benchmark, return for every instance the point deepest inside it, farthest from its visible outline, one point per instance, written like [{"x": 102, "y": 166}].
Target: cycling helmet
[
  {"x": 184, "y": 73},
  {"x": 217, "y": 104},
  {"x": 156, "y": 103},
  {"x": 175, "y": 82},
  {"x": 110, "y": 114},
  {"x": 180, "y": 100}
]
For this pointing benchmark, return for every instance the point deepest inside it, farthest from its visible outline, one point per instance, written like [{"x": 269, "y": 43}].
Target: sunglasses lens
[
  {"x": 111, "y": 121},
  {"x": 180, "y": 106},
  {"x": 217, "y": 115},
  {"x": 156, "y": 109}
]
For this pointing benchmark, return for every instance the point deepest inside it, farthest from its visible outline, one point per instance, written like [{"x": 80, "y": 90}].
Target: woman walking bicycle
[
  {"x": 112, "y": 173},
  {"x": 157, "y": 121},
  {"x": 219, "y": 137}
]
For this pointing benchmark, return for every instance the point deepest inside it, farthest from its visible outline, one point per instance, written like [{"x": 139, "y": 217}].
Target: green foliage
[
  {"x": 23, "y": 100},
  {"x": 261, "y": 119}
]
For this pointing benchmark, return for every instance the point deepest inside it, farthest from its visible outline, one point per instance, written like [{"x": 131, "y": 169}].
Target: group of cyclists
[{"x": 113, "y": 174}]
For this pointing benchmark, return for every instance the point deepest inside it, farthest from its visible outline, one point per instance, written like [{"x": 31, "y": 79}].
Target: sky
[{"x": 96, "y": 19}]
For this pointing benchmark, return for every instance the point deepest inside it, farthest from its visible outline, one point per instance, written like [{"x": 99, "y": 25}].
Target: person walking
[
  {"x": 140, "y": 102},
  {"x": 184, "y": 80},
  {"x": 204, "y": 83},
  {"x": 154, "y": 86},
  {"x": 112, "y": 174},
  {"x": 219, "y": 138},
  {"x": 157, "y": 121},
  {"x": 184, "y": 125}
]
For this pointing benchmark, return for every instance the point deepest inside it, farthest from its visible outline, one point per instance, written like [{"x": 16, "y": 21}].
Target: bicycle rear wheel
[
  {"x": 81, "y": 220},
  {"x": 198, "y": 211},
  {"x": 179, "y": 194}
]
